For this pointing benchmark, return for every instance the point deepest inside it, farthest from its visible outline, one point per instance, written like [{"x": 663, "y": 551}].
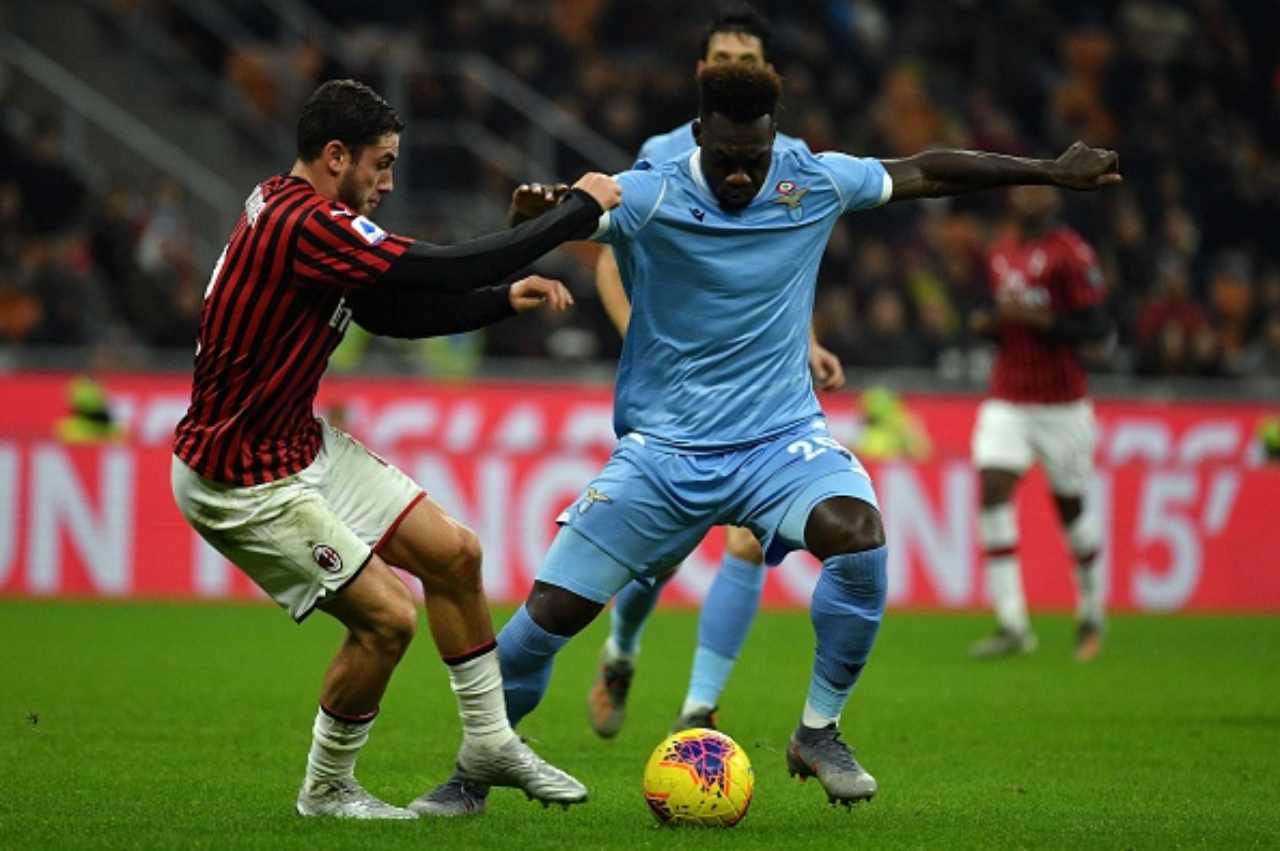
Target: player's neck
[{"x": 322, "y": 183}]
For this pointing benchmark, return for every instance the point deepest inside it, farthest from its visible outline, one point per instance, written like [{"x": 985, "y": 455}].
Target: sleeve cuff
[
  {"x": 886, "y": 189},
  {"x": 602, "y": 227}
]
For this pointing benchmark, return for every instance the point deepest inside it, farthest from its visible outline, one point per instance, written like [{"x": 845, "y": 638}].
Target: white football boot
[{"x": 343, "y": 797}]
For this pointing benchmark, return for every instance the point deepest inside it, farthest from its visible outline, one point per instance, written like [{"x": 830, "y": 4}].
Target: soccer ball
[{"x": 699, "y": 777}]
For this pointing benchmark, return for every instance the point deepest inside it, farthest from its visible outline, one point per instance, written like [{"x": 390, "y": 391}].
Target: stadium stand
[{"x": 1188, "y": 92}]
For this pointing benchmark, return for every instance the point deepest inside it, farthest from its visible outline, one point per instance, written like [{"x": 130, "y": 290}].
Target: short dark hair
[
  {"x": 743, "y": 19},
  {"x": 739, "y": 92},
  {"x": 346, "y": 110}
]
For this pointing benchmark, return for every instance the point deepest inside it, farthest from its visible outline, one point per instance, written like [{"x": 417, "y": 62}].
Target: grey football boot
[
  {"x": 1004, "y": 642},
  {"x": 457, "y": 796},
  {"x": 513, "y": 764},
  {"x": 823, "y": 754},
  {"x": 343, "y": 797}
]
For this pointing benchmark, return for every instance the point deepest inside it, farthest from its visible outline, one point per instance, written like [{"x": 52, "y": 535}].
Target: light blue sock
[
  {"x": 525, "y": 654},
  {"x": 726, "y": 617},
  {"x": 847, "y": 606},
  {"x": 631, "y": 609}
]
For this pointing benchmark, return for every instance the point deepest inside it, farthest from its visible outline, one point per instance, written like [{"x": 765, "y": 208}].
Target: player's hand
[
  {"x": 602, "y": 187},
  {"x": 531, "y": 200},
  {"x": 1015, "y": 312},
  {"x": 827, "y": 372},
  {"x": 1084, "y": 168},
  {"x": 535, "y": 291}
]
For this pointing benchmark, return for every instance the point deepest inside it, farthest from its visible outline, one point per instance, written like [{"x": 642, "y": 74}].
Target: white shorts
[
  {"x": 305, "y": 537},
  {"x": 1012, "y": 436}
]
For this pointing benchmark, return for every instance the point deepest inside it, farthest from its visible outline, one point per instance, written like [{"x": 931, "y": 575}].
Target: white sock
[
  {"x": 691, "y": 706},
  {"x": 613, "y": 654},
  {"x": 1089, "y": 603},
  {"x": 477, "y": 683},
  {"x": 815, "y": 720},
  {"x": 1004, "y": 585},
  {"x": 998, "y": 530},
  {"x": 335, "y": 744},
  {"x": 1084, "y": 539}
]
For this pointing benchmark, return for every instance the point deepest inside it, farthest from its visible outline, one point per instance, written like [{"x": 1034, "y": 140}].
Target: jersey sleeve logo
[
  {"x": 368, "y": 231},
  {"x": 253, "y": 205}
]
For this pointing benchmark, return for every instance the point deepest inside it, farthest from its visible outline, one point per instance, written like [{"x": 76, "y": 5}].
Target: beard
[
  {"x": 350, "y": 193},
  {"x": 736, "y": 201}
]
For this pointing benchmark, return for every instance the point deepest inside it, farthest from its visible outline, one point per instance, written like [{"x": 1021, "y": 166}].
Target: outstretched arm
[
  {"x": 482, "y": 261},
  {"x": 530, "y": 201},
  {"x": 415, "y": 315},
  {"x": 933, "y": 174}
]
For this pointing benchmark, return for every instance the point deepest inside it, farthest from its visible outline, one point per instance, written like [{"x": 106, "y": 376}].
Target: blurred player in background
[
  {"x": 889, "y": 430},
  {"x": 740, "y": 35},
  {"x": 1048, "y": 304},
  {"x": 90, "y": 419},
  {"x": 717, "y": 421},
  {"x": 308, "y": 513}
]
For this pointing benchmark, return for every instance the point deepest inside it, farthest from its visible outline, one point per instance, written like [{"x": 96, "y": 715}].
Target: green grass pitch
[{"x": 183, "y": 726}]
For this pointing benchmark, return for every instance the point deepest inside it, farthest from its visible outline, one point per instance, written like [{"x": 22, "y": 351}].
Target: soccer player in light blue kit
[
  {"x": 742, "y": 35},
  {"x": 716, "y": 416}
]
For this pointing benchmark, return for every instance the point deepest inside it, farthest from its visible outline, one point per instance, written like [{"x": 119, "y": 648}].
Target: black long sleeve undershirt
[
  {"x": 425, "y": 313},
  {"x": 481, "y": 261},
  {"x": 1081, "y": 326}
]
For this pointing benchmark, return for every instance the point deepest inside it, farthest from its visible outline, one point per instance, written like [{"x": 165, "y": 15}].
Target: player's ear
[{"x": 335, "y": 156}]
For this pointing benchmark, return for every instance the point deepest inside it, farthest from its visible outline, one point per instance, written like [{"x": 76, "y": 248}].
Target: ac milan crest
[{"x": 327, "y": 557}]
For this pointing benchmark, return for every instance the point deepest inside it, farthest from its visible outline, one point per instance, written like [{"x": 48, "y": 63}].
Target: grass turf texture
[{"x": 187, "y": 726}]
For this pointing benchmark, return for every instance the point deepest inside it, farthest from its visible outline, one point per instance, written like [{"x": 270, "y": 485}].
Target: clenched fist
[
  {"x": 1082, "y": 167},
  {"x": 535, "y": 291}
]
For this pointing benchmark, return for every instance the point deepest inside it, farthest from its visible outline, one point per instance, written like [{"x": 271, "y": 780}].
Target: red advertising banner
[{"x": 1181, "y": 493}]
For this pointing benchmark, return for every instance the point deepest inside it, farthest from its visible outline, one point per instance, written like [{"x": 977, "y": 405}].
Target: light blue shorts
[{"x": 649, "y": 507}]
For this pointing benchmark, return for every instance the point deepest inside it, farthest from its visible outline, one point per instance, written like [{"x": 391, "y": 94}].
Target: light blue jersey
[
  {"x": 667, "y": 146},
  {"x": 716, "y": 353}
]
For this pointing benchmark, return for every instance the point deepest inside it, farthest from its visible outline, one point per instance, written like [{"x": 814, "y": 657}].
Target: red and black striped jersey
[
  {"x": 273, "y": 314},
  {"x": 1058, "y": 270}
]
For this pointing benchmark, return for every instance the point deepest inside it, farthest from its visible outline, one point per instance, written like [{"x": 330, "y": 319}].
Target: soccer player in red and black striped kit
[
  {"x": 311, "y": 516},
  {"x": 1049, "y": 296}
]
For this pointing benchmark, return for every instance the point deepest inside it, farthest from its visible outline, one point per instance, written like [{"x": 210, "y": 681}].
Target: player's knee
[
  {"x": 460, "y": 571},
  {"x": 1069, "y": 508},
  {"x": 843, "y": 525},
  {"x": 996, "y": 487},
  {"x": 393, "y": 631},
  {"x": 741, "y": 544},
  {"x": 468, "y": 560},
  {"x": 559, "y": 610}
]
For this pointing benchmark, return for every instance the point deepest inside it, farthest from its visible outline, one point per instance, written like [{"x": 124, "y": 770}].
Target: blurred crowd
[
  {"x": 86, "y": 265},
  {"x": 1187, "y": 92}
]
